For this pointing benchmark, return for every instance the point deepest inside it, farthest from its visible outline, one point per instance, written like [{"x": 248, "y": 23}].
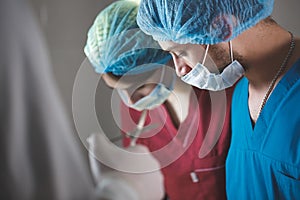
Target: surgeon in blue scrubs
[{"x": 240, "y": 38}]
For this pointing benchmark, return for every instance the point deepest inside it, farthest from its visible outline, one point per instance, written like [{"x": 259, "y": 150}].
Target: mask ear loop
[
  {"x": 205, "y": 54},
  {"x": 231, "y": 51}
]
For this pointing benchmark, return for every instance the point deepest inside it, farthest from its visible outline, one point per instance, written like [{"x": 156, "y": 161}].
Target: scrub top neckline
[
  {"x": 187, "y": 129},
  {"x": 265, "y": 118},
  {"x": 170, "y": 125}
]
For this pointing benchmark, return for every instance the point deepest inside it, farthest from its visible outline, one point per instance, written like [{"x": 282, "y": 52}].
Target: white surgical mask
[
  {"x": 158, "y": 95},
  {"x": 202, "y": 78}
]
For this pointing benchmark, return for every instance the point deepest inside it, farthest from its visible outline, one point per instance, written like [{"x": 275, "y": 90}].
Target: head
[
  {"x": 187, "y": 56},
  {"x": 121, "y": 52},
  {"x": 138, "y": 87},
  {"x": 185, "y": 28},
  {"x": 129, "y": 86}
]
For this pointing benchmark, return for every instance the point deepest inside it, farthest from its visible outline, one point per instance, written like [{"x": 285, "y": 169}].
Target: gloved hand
[{"x": 145, "y": 184}]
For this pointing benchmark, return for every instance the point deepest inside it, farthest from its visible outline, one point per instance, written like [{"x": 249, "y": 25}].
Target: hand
[{"x": 115, "y": 184}]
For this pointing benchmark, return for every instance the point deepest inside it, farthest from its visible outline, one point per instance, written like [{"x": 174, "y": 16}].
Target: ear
[{"x": 223, "y": 26}]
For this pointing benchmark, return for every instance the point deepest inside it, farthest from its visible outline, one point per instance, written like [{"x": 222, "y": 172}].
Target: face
[
  {"x": 186, "y": 56},
  {"x": 135, "y": 86}
]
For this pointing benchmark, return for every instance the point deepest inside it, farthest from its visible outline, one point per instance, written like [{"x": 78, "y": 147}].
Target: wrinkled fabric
[
  {"x": 116, "y": 44},
  {"x": 127, "y": 176},
  {"x": 202, "y": 78},
  {"x": 159, "y": 94},
  {"x": 209, "y": 170},
  {"x": 200, "y": 21},
  {"x": 40, "y": 158},
  {"x": 264, "y": 160}
]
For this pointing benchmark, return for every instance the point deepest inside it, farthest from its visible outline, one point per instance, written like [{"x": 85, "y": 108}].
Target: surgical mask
[
  {"x": 158, "y": 95},
  {"x": 202, "y": 78}
]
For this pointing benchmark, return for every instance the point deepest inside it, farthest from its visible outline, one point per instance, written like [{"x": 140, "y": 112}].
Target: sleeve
[{"x": 40, "y": 156}]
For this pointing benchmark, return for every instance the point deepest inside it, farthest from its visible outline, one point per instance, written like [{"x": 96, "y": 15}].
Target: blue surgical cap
[
  {"x": 200, "y": 21},
  {"x": 115, "y": 43}
]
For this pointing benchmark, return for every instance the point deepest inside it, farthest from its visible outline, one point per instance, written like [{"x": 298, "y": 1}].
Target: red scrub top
[{"x": 186, "y": 174}]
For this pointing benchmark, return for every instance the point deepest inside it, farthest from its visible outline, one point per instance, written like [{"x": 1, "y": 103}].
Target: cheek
[
  {"x": 222, "y": 59},
  {"x": 190, "y": 60},
  {"x": 193, "y": 60},
  {"x": 195, "y": 57},
  {"x": 220, "y": 56}
]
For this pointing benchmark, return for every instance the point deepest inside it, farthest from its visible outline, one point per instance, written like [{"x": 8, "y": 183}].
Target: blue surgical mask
[
  {"x": 202, "y": 78},
  {"x": 158, "y": 96}
]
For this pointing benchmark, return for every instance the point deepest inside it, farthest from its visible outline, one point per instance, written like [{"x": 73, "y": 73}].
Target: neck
[
  {"x": 264, "y": 51},
  {"x": 178, "y": 103}
]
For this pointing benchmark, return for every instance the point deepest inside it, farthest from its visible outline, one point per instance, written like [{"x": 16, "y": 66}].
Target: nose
[
  {"x": 141, "y": 92},
  {"x": 181, "y": 66},
  {"x": 135, "y": 98}
]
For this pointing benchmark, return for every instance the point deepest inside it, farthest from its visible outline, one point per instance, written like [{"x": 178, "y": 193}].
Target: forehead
[
  {"x": 172, "y": 46},
  {"x": 169, "y": 45},
  {"x": 127, "y": 81}
]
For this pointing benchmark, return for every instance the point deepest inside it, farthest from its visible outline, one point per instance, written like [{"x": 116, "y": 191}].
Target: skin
[
  {"x": 186, "y": 56},
  {"x": 129, "y": 85},
  {"x": 264, "y": 47},
  {"x": 177, "y": 104},
  {"x": 260, "y": 49}
]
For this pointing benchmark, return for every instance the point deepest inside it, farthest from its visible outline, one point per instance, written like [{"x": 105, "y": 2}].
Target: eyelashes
[
  {"x": 178, "y": 54},
  {"x": 181, "y": 54}
]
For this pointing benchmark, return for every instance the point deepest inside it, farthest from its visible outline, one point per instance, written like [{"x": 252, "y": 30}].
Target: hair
[{"x": 269, "y": 21}]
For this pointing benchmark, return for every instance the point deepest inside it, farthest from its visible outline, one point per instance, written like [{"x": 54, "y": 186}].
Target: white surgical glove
[{"x": 117, "y": 185}]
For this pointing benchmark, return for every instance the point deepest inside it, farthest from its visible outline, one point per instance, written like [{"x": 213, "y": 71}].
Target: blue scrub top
[{"x": 264, "y": 162}]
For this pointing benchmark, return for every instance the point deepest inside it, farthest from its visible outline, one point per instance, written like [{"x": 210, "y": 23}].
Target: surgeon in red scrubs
[{"x": 185, "y": 128}]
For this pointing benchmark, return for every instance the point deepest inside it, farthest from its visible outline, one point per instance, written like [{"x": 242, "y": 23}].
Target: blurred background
[{"x": 65, "y": 24}]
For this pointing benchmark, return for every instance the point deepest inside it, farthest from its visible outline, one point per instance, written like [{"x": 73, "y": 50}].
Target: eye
[
  {"x": 181, "y": 54},
  {"x": 178, "y": 54}
]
